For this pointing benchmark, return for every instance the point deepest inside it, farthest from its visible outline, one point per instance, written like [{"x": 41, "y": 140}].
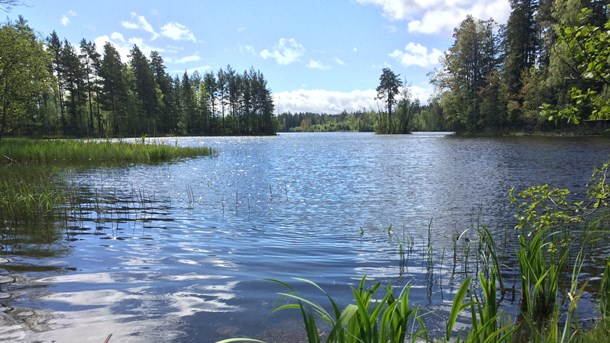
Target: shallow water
[{"x": 178, "y": 252}]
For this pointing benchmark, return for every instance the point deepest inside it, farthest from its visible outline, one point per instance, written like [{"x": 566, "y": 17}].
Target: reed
[
  {"x": 31, "y": 190},
  {"x": 28, "y": 194},
  {"x": 31, "y": 151},
  {"x": 368, "y": 320},
  {"x": 604, "y": 303}
]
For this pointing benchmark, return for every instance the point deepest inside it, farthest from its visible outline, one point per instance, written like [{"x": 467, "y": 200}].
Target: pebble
[{"x": 4, "y": 295}]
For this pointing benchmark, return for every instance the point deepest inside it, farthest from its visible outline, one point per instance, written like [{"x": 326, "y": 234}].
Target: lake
[{"x": 179, "y": 252}]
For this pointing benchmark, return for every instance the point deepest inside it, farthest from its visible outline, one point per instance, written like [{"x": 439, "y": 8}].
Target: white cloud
[
  {"x": 247, "y": 49},
  {"x": 325, "y": 101},
  {"x": 287, "y": 51},
  {"x": 140, "y": 24},
  {"x": 185, "y": 59},
  {"x": 65, "y": 19},
  {"x": 177, "y": 31},
  {"x": 123, "y": 46},
  {"x": 440, "y": 16},
  {"x": 313, "y": 64},
  {"x": 339, "y": 61},
  {"x": 117, "y": 36},
  {"x": 418, "y": 55}
]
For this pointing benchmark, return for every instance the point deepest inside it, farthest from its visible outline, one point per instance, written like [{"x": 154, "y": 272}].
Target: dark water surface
[{"x": 179, "y": 252}]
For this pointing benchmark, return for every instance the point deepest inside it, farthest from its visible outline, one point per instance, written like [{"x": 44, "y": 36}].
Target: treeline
[
  {"x": 418, "y": 118},
  {"x": 51, "y": 87},
  {"x": 360, "y": 121},
  {"x": 498, "y": 78}
]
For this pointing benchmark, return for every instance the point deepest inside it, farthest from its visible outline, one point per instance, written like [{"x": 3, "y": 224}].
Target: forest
[
  {"x": 544, "y": 70},
  {"x": 49, "y": 87}
]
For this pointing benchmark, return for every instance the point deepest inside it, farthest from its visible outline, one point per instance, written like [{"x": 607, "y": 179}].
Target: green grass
[
  {"x": 30, "y": 186},
  {"x": 28, "y": 194},
  {"x": 30, "y": 151},
  {"x": 370, "y": 319}
]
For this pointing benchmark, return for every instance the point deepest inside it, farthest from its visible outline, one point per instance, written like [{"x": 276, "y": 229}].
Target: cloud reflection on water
[{"x": 134, "y": 314}]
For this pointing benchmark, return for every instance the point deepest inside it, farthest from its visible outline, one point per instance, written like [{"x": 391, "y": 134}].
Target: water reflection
[{"x": 178, "y": 252}]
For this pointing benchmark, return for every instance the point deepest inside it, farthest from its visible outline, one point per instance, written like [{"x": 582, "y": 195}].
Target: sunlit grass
[
  {"x": 28, "y": 151},
  {"x": 30, "y": 185},
  {"x": 28, "y": 194}
]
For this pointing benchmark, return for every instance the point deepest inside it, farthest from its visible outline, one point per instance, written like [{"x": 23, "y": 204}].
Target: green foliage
[
  {"x": 59, "y": 89},
  {"x": 587, "y": 51},
  {"x": 368, "y": 320},
  {"x": 23, "y": 74},
  {"x": 468, "y": 80},
  {"x": 604, "y": 292},
  {"x": 28, "y": 194},
  {"x": 488, "y": 322},
  {"x": 551, "y": 228},
  {"x": 27, "y": 151},
  {"x": 387, "y": 91}
]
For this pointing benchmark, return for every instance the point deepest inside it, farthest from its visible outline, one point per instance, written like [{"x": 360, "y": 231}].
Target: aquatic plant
[
  {"x": 28, "y": 194},
  {"x": 28, "y": 151},
  {"x": 368, "y": 320}
]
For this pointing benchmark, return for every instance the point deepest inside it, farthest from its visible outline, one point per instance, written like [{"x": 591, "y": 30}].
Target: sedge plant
[{"x": 388, "y": 319}]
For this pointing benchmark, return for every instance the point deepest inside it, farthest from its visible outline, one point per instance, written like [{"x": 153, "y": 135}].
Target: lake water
[{"x": 178, "y": 252}]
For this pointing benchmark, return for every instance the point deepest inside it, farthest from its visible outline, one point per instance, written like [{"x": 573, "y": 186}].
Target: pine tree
[
  {"x": 388, "y": 89},
  {"x": 113, "y": 96},
  {"x": 90, "y": 59},
  {"x": 145, "y": 87}
]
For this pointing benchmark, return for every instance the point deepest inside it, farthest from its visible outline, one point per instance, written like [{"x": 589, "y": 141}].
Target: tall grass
[
  {"x": 28, "y": 194},
  {"x": 28, "y": 151},
  {"x": 372, "y": 320},
  {"x": 31, "y": 190}
]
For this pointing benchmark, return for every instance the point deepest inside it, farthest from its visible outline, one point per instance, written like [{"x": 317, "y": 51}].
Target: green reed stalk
[
  {"x": 540, "y": 263},
  {"x": 368, "y": 320},
  {"x": 488, "y": 322},
  {"x": 604, "y": 303},
  {"x": 28, "y": 194},
  {"x": 457, "y": 307},
  {"x": 27, "y": 151}
]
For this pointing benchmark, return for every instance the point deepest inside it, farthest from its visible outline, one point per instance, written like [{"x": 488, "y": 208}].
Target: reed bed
[
  {"x": 30, "y": 151},
  {"x": 30, "y": 184},
  {"x": 28, "y": 194}
]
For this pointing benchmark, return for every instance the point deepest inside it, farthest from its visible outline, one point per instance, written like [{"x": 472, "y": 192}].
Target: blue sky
[{"x": 321, "y": 56}]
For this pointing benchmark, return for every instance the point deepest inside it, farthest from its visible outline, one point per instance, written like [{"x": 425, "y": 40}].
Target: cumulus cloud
[
  {"x": 325, "y": 101},
  {"x": 65, "y": 19},
  {"x": 117, "y": 40},
  {"x": 415, "y": 54},
  {"x": 177, "y": 31},
  {"x": 287, "y": 51},
  {"x": 140, "y": 24},
  {"x": 440, "y": 16},
  {"x": 313, "y": 64},
  {"x": 124, "y": 46}
]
